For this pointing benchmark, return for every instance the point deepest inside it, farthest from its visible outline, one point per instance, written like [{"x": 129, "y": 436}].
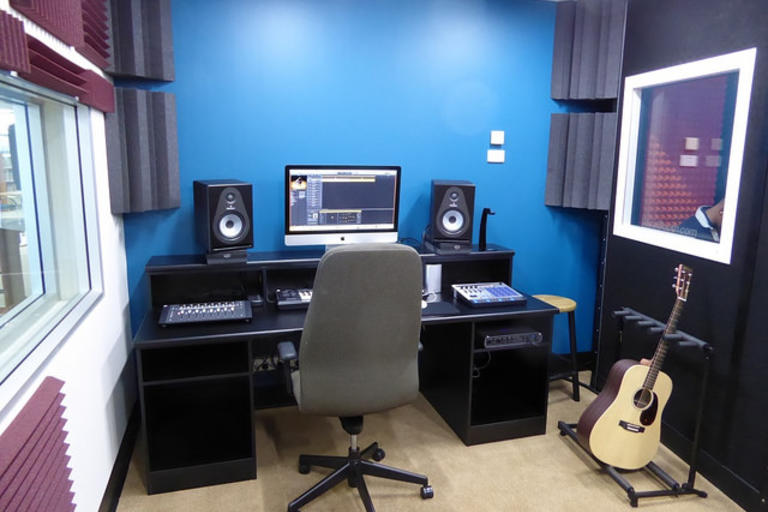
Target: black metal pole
[{"x": 699, "y": 416}]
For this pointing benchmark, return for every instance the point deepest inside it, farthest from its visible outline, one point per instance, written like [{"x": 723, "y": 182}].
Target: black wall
[{"x": 728, "y": 304}]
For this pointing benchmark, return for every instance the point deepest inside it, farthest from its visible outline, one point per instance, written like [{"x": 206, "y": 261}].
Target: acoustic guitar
[{"x": 622, "y": 426}]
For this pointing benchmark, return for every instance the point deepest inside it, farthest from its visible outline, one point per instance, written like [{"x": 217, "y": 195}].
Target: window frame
[
  {"x": 57, "y": 333},
  {"x": 742, "y": 62}
]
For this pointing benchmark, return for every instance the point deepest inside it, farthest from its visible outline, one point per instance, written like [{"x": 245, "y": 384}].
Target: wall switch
[
  {"x": 497, "y": 137},
  {"x": 691, "y": 143},
  {"x": 495, "y": 156},
  {"x": 689, "y": 161}
]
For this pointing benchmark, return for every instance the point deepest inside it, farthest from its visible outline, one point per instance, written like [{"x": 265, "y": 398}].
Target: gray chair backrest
[{"x": 359, "y": 349}]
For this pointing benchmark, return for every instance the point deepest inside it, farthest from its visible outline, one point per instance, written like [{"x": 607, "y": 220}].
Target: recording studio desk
[{"x": 199, "y": 384}]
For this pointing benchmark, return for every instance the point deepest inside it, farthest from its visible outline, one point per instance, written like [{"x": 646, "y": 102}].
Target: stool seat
[{"x": 564, "y": 304}]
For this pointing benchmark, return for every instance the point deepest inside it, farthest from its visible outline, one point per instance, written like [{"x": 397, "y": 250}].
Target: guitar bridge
[{"x": 639, "y": 429}]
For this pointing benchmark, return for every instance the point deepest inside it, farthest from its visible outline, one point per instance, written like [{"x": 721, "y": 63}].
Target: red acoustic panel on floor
[
  {"x": 34, "y": 472},
  {"x": 62, "y": 18},
  {"x": 13, "y": 44}
]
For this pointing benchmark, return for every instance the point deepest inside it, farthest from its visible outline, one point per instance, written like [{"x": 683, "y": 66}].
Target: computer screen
[{"x": 330, "y": 205}]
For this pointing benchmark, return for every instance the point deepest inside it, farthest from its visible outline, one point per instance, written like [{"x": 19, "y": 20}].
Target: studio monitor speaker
[
  {"x": 453, "y": 204},
  {"x": 223, "y": 214}
]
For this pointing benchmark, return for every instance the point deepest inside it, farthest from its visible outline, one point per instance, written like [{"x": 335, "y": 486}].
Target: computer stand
[{"x": 674, "y": 488}]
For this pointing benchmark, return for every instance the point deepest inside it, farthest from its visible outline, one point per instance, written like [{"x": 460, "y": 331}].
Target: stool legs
[{"x": 574, "y": 362}]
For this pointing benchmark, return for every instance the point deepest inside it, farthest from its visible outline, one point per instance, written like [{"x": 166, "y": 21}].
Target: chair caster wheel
[
  {"x": 303, "y": 469},
  {"x": 351, "y": 482},
  {"x": 378, "y": 454},
  {"x": 427, "y": 492}
]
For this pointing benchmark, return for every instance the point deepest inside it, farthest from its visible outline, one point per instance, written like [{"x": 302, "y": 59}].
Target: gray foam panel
[
  {"x": 142, "y": 152},
  {"x": 558, "y": 146},
  {"x": 142, "y": 39}
]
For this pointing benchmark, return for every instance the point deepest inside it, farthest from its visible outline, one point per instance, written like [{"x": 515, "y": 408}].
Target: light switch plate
[
  {"x": 689, "y": 161},
  {"x": 497, "y": 137},
  {"x": 495, "y": 156}
]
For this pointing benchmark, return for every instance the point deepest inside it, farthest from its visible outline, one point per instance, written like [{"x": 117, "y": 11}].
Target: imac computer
[{"x": 336, "y": 204}]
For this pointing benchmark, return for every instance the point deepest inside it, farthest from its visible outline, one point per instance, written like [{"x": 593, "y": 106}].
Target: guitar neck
[{"x": 663, "y": 345}]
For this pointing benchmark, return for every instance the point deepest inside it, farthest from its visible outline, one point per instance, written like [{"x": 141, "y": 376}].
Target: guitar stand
[{"x": 674, "y": 488}]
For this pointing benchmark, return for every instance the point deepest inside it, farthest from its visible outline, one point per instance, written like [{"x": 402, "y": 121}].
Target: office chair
[{"x": 358, "y": 355}]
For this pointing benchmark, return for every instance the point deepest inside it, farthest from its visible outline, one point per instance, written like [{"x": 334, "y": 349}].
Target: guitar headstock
[{"x": 683, "y": 275}]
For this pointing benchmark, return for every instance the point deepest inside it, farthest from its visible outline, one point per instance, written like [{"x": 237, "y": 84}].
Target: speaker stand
[
  {"x": 447, "y": 247},
  {"x": 227, "y": 257}
]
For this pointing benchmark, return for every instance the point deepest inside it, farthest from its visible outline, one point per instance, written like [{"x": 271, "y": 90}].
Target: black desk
[{"x": 198, "y": 385}]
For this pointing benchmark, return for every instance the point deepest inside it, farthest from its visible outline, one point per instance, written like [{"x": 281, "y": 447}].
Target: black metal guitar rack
[{"x": 680, "y": 339}]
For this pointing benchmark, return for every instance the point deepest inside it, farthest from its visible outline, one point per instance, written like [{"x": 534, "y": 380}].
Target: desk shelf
[{"x": 185, "y": 362}]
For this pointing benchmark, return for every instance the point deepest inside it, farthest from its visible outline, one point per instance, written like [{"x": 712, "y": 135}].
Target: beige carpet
[{"x": 547, "y": 472}]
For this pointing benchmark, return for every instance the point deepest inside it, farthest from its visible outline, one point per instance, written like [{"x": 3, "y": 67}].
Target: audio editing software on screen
[{"x": 338, "y": 199}]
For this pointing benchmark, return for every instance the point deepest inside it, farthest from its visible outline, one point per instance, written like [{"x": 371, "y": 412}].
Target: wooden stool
[{"x": 566, "y": 305}]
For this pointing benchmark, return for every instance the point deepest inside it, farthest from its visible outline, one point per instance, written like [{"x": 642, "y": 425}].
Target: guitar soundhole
[{"x": 643, "y": 398}]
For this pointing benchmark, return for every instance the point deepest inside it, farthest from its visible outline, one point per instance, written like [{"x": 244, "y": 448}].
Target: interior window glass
[
  {"x": 44, "y": 267},
  {"x": 684, "y": 139}
]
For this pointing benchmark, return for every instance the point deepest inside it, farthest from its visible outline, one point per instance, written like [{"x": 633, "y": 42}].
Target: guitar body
[{"x": 622, "y": 427}]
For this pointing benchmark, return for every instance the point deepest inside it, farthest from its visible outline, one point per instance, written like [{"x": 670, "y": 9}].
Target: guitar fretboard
[{"x": 663, "y": 346}]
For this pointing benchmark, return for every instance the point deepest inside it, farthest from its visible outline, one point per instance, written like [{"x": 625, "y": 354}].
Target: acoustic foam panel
[
  {"x": 578, "y": 194},
  {"x": 563, "y": 47},
  {"x": 96, "y": 37},
  {"x": 50, "y": 69},
  {"x": 62, "y": 18},
  {"x": 580, "y": 163},
  {"x": 594, "y": 167},
  {"x": 558, "y": 145},
  {"x": 34, "y": 472},
  {"x": 142, "y": 152},
  {"x": 586, "y": 59},
  {"x": 142, "y": 39},
  {"x": 607, "y": 160},
  {"x": 13, "y": 44}
]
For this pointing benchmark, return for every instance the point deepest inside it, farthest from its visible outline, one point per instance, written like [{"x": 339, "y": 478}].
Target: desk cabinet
[
  {"x": 199, "y": 384},
  {"x": 484, "y": 394},
  {"x": 196, "y": 414}
]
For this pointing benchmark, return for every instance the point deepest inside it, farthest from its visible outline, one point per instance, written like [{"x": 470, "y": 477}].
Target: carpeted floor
[{"x": 539, "y": 473}]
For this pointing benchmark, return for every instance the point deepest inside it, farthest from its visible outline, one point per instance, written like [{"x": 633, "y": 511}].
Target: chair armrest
[{"x": 287, "y": 358}]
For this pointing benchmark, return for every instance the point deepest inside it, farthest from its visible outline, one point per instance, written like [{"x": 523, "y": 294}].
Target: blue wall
[{"x": 260, "y": 84}]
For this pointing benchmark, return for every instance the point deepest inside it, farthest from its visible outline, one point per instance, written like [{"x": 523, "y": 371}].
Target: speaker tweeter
[{"x": 223, "y": 215}]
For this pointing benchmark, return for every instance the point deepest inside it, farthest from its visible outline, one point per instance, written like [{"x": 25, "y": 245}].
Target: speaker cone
[
  {"x": 452, "y": 221},
  {"x": 231, "y": 226}
]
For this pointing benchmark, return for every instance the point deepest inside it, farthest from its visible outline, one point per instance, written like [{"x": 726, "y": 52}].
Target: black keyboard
[
  {"x": 290, "y": 298},
  {"x": 205, "y": 312}
]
